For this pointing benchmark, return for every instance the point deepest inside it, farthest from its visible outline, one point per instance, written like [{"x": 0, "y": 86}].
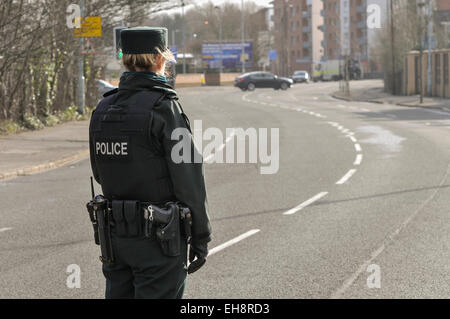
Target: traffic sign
[
  {"x": 244, "y": 57},
  {"x": 88, "y": 48},
  {"x": 272, "y": 55},
  {"x": 90, "y": 27}
]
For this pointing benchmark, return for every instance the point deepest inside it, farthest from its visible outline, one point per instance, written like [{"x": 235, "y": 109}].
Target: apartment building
[
  {"x": 309, "y": 31},
  {"x": 346, "y": 29},
  {"x": 297, "y": 35}
]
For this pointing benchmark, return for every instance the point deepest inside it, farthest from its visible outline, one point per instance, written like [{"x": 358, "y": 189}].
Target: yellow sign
[
  {"x": 244, "y": 57},
  {"x": 90, "y": 27}
]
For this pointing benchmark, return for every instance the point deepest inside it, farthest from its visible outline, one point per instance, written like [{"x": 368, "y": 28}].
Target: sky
[{"x": 218, "y": 2}]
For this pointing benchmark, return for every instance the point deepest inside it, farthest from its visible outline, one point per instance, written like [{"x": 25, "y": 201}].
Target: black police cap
[{"x": 140, "y": 40}]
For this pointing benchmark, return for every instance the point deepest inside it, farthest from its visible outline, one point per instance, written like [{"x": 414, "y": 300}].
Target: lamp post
[
  {"x": 174, "y": 31},
  {"x": 392, "y": 46},
  {"x": 80, "y": 86},
  {"x": 430, "y": 34},
  {"x": 243, "y": 35},
  {"x": 220, "y": 38},
  {"x": 183, "y": 36},
  {"x": 422, "y": 33}
]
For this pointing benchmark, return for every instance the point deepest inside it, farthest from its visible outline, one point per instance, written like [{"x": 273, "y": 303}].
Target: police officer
[{"x": 131, "y": 145}]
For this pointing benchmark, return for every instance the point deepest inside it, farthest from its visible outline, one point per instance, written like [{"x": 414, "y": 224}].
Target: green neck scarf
[{"x": 150, "y": 75}]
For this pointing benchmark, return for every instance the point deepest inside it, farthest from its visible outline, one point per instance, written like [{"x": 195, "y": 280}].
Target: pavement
[
  {"x": 36, "y": 151},
  {"x": 373, "y": 91},
  {"x": 362, "y": 190}
]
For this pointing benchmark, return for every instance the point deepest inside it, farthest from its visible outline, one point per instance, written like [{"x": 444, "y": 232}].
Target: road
[{"x": 359, "y": 186}]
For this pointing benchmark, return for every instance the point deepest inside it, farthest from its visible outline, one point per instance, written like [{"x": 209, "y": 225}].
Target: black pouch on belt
[
  {"x": 132, "y": 217},
  {"x": 119, "y": 220},
  {"x": 169, "y": 236}
]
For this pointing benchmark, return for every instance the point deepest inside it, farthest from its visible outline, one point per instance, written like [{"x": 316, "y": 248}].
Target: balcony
[
  {"x": 321, "y": 28},
  {"x": 306, "y": 29},
  {"x": 306, "y": 14}
]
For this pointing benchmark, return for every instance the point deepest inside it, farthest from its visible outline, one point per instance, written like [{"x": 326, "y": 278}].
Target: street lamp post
[
  {"x": 183, "y": 36},
  {"x": 430, "y": 33},
  {"x": 220, "y": 39},
  {"x": 174, "y": 31},
  {"x": 243, "y": 35},
  {"x": 80, "y": 86},
  {"x": 392, "y": 47},
  {"x": 422, "y": 33}
]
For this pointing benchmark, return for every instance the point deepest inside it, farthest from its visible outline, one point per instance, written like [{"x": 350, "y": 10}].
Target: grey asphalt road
[{"x": 366, "y": 186}]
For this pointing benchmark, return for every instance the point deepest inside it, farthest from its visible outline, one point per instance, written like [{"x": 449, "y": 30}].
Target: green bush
[
  {"x": 10, "y": 127},
  {"x": 31, "y": 122}
]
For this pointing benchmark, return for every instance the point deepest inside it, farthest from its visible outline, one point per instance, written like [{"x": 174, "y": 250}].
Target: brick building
[
  {"x": 313, "y": 30},
  {"x": 297, "y": 36}
]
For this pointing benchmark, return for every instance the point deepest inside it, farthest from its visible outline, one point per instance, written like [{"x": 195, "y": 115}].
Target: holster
[
  {"x": 169, "y": 234},
  {"x": 101, "y": 222}
]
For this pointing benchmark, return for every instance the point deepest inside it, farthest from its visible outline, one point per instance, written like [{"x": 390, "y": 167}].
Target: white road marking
[
  {"x": 220, "y": 148},
  {"x": 389, "y": 239},
  {"x": 346, "y": 177},
  {"x": 358, "y": 147},
  {"x": 233, "y": 241},
  {"x": 358, "y": 159},
  {"x": 305, "y": 203},
  {"x": 5, "y": 229},
  {"x": 353, "y": 139}
]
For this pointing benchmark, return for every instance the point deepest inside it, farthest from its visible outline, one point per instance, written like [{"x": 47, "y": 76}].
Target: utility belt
[{"x": 130, "y": 218}]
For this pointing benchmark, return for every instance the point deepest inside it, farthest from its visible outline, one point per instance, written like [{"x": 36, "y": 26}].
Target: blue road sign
[
  {"x": 273, "y": 55},
  {"x": 174, "y": 50},
  {"x": 231, "y": 54}
]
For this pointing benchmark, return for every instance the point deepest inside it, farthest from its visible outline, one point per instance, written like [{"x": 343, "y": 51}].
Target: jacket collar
[{"x": 141, "y": 81}]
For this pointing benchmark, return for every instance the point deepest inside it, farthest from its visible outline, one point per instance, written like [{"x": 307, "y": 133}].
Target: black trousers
[{"x": 142, "y": 271}]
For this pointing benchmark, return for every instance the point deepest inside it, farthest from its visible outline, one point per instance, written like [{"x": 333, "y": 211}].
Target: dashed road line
[
  {"x": 5, "y": 229},
  {"x": 358, "y": 159},
  {"x": 346, "y": 177},
  {"x": 305, "y": 203},
  {"x": 220, "y": 148},
  {"x": 358, "y": 147},
  {"x": 233, "y": 241},
  {"x": 352, "y": 138}
]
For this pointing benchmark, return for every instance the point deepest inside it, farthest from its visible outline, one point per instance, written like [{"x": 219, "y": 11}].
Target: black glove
[{"x": 201, "y": 252}]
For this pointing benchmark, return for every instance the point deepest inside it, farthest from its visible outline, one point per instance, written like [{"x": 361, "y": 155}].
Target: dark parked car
[{"x": 252, "y": 80}]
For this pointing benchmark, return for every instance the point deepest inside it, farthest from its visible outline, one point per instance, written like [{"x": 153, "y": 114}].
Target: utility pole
[
  {"x": 220, "y": 38},
  {"x": 80, "y": 81},
  {"x": 243, "y": 35},
  {"x": 183, "y": 36},
  {"x": 394, "y": 85},
  {"x": 430, "y": 34},
  {"x": 422, "y": 34}
]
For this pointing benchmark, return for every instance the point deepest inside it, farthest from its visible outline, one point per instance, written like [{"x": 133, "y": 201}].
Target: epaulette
[{"x": 114, "y": 91}]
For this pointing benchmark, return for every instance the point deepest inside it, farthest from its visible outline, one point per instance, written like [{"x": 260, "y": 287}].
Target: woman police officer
[{"x": 140, "y": 116}]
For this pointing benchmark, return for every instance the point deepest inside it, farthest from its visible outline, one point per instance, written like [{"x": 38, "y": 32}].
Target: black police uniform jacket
[{"x": 130, "y": 141}]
